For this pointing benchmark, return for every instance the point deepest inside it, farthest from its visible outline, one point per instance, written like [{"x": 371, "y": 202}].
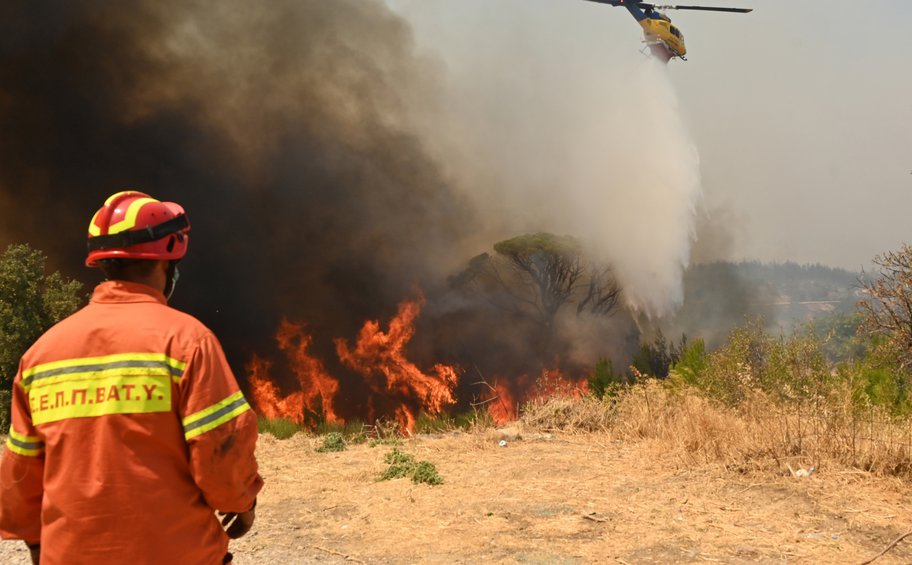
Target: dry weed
[
  {"x": 569, "y": 414},
  {"x": 759, "y": 433}
]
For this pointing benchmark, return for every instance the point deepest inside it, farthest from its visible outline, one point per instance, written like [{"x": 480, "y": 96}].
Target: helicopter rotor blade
[{"x": 702, "y": 8}]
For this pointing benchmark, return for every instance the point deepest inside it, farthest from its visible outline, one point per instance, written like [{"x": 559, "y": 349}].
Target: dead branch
[{"x": 888, "y": 548}]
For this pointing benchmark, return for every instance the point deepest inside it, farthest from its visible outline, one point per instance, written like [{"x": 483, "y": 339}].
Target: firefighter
[{"x": 128, "y": 427}]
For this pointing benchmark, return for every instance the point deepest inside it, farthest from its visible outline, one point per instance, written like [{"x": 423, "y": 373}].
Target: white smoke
[
  {"x": 636, "y": 203},
  {"x": 547, "y": 130}
]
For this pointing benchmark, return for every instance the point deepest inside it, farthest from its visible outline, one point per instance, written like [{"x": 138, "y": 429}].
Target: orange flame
[
  {"x": 503, "y": 403},
  {"x": 379, "y": 357},
  {"x": 502, "y": 406},
  {"x": 318, "y": 388},
  {"x": 553, "y": 382}
]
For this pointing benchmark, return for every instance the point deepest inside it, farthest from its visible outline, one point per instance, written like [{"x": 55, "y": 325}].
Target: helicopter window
[{"x": 675, "y": 32}]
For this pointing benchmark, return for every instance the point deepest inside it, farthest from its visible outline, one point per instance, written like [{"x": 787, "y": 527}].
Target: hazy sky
[{"x": 801, "y": 111}]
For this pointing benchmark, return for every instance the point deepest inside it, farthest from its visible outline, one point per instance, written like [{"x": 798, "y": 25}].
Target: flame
[
  {"x": 318, "y": 388},
  {"x": 398, "y": 388},
  {"x": 380, "y": 359},
  {"x": 505, "y": 397},
  {"x": 314, "y": 400},
  {"x": 502, "y": 405},
  {"x": 377, "y": 356},
  {"x": 553, "y": 382}
]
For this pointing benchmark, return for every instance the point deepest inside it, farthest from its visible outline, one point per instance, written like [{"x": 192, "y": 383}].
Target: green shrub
[
  {"x": 403, "y": 465},
  {"x": 795, "y": 370},
  {"x": 426, "y": 472},
  {"x": 384, "y": 441},
  {"x": 353, "y": 431},
  {"x": 790, "y": 370},
  {"x": 838, "y": 334},
  {"x": 30, "y": 303},
  {"x": 878, "y": 380},
  {"x": 656, "y": 359},
  {"x": 691, "y": 364},
  {"x": 323, "y": 428},
  {"x": 400, "y": 465},
  {"x": 474, "y": 419},
  {"x": 428, "y": 424},
  {"x": 333, "y": 441},
  {"x": 604, "y": 381},
  {"x": 280, "y": 428}
]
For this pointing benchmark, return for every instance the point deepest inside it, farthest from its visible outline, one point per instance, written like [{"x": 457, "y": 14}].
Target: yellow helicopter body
[
  {"x": 660, "y": 30},
  {"x": 664, "y": 40}
]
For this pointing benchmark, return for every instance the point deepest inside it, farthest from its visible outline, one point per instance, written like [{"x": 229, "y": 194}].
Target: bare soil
[{"x": 557, "y": 499}]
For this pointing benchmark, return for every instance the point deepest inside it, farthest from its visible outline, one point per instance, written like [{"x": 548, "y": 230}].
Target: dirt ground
[{"x": 557, "y": 499}]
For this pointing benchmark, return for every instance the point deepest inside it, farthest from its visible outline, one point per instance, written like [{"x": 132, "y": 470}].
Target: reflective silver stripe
[
  {"x": 26, "y": 444},
  {"x": 215, "y": 415},
  {"x": 174, "y": 371}
]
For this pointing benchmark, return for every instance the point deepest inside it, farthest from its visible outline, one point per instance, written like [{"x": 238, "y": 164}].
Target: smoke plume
[
  {"x": 331, "y": 168},
  {"x": 550, "y": 134},
  {"x": 282, "y": 127}
]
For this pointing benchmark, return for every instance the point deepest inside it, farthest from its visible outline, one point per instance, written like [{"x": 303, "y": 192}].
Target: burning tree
[
  {"x": 529, "y": 282},
  {"x": 538, "y": 274}
]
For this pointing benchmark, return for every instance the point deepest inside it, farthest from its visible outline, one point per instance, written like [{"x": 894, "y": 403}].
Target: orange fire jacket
[{"x": 128, "y": 430}]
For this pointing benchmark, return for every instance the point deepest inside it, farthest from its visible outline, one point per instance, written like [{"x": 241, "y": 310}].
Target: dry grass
[
  {"x": 556, "y": 498},
  {"x": 755, "y": 435},
  {"x": 561, "y": 497},
  {"x": 569, "y": 414}
]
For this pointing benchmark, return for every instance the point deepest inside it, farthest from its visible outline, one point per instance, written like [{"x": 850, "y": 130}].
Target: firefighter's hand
[{"x": 238, "y": 523}]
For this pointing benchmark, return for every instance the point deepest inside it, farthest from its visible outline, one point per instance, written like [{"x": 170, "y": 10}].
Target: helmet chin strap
[{"x": 173, "y": 276}]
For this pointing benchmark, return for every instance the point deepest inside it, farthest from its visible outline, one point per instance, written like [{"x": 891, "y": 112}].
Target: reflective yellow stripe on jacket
[
  {"x": 126, "y": 383},
  {"x": 30, "y": 446},
  {"x": 215, "y": 415}
]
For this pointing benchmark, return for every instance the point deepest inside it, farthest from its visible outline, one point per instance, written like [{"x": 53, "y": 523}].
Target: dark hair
[{"x": 126, "y": 269}]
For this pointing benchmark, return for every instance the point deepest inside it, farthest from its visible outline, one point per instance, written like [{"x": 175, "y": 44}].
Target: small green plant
[
  {"x": 403, "y": 465},
  {"x": 280, "y": 428},
  {"x": 604, "y": 381},
  {"x": 384, "y": 441},
  {"x": 428, "y": 424},
  {"x": 426, "y": 472},
  {"x": 691, "y": 364},
  {"x": 353, "y": 431},
  {"x": 325, "y": 428},
  {"x": 333, "y": 441},
  {"x": 400, "y": 465}
]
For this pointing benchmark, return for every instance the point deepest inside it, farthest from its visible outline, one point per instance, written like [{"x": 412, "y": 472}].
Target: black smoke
[{"x": 281, "y": 126}]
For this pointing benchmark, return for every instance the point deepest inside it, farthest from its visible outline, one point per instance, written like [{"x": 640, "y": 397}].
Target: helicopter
[{"x": 664, "y": 40}]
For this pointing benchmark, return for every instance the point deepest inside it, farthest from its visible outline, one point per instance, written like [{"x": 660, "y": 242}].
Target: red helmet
[{"x": 133, "y": 225}]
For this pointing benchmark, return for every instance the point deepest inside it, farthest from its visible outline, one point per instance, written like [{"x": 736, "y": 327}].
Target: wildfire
[
  {"x": 399, "y": 387},
  {"x": 503, "y": 400},
  {"x": 318, "y": 388},
  {"x": 379, "y": 358},
  {"x": 502, "y": 405}
]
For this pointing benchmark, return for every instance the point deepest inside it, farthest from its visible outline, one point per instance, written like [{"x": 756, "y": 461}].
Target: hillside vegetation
[{"x": 723, "y": 295}]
